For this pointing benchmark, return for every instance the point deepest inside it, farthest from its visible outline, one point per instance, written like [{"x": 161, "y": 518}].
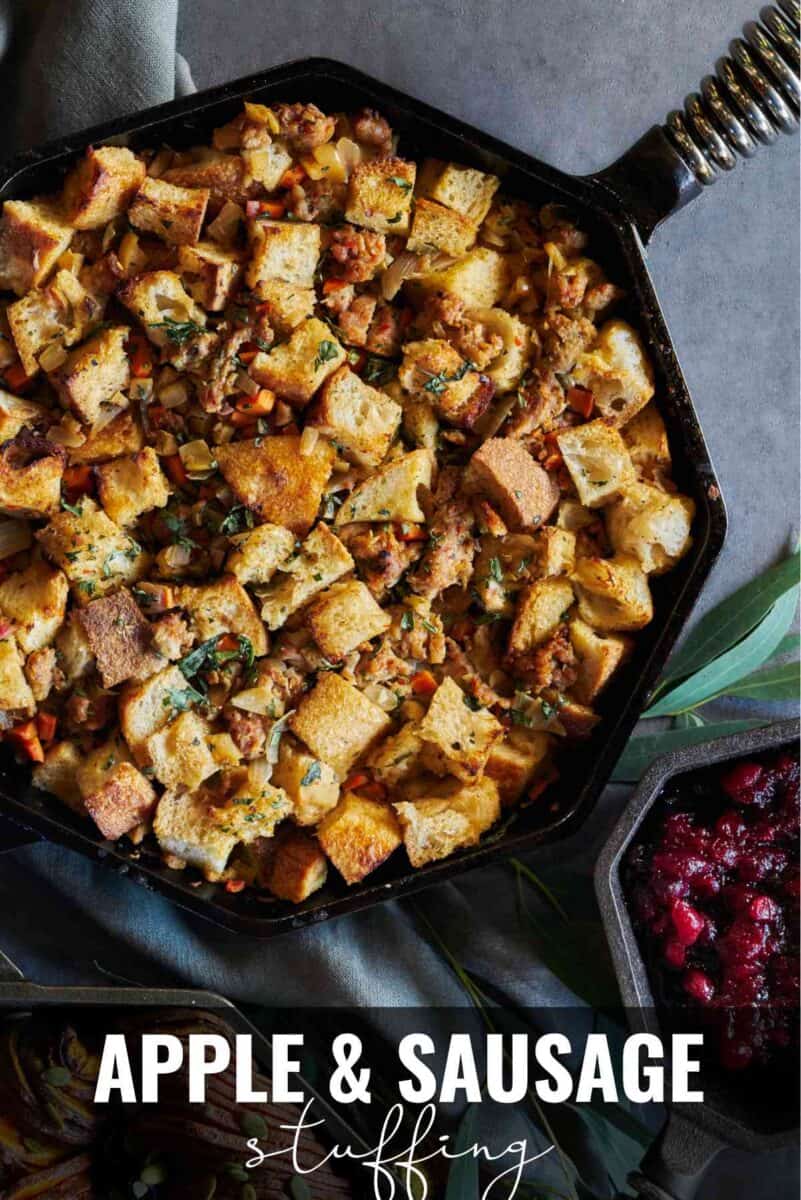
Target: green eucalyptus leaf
[
  {"x": 728, "y": 622},
  {"x": 641, "y": 751},
  {"x": 782, "y": 682},
  {"x": 689, "y": 720},
  {"x": 716, "y": 678},
  {"x": 463, "y": 1175},
  {"x": 788, "y": 645}
]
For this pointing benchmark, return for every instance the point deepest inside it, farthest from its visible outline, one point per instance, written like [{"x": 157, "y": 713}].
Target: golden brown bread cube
[
  {"x": 174, "y": 214},
  {"x": 93, "y": 373},
  {"x": 222, "y": 607},
  {"x": 398, "y": 756},
  {"x": 224, "y": 176},
  {"x": 598, "y": 659},
  {"x": 158, "y": 298},
  {"x": 504, "y": 471},
  {"x": 433, "y": 370},
  {"x": 358, "y": 836},
  {"x": 75, "y": 658},
  {"x": 311, "y": 785},
  {"x": 613, "y": 593},
  {"x": 120, "y": 638},
  {"x": 101, "y": 186},
  {"x": 33, "y": 236},
  {"x": 447, "y": 817},
  {"x": 392, "y": 493},
  {"x": 555, "y": 551},
  {"x": 17, "y": 414},
  {"x": 653, "y": 525},
  {"x": 457, "y": 737},
  {"x": 380, "y": 194},
  {"x": 35, "y": 599},
  {"x": 320, "y": 561},
  {"x": 296, "y": 868},
  {"x": 128, "y": 487},
  {"x": 285, "y": 250},
  {"x": 598, "y": 461},
  {"x": 297, "y": 368},
  {"x": 515, "y": 762},
  {"x": 124, "y": 800},
  {"x": 343, "y": 617},
  {"x": 361, "y": 420},
  {"x": 211, "y": 275},
  {"x": 647, "y": 440},
  {"x": 30, "y": 486},
  {"x": 94, "y": 553},
  {"x": 145, "y": 708},
  {"x": 275, "y": 480},
  {"x": 337, "y": 722},
  {"x": 258, "y": 553},
  {"x": 437, "y": 228},
  {"x": 502, "y": 567},
  {"x": 508, "y": 368},
  {"x": 463, "y": 189},
  {"x": 179, "y": 753},
  {"x": 255, "y": 806},
  {"x": 51, "y": 318},
  {"x": 287, "y": 305},
  {"x": 186, "y": 829},
  {"x": 480, "y": 279},
  {"x": 617, "y": 372},
  {"x": 541, "y": 608},
  {"x": 15, "y": 693},
  {"x": 122, "y": 435},
  {"x": 57, "y": 775}
]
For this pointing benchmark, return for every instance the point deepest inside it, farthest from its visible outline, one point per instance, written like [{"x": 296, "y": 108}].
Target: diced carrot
[
  {"x": 140, "y": 356},
  {"x": 552, "y": 462},
  {"x": 78, "y": 481},
  {"x": 265, "y": 208},
  {"x": 46, "y": 724},
  {"x": 26, "y": 739},
  {"x": 259, "y": 405},
  {"x": 15, "y": 377},
  {"x": 357, "y": 780},
  {"x": 411, "y": 533},
  {"x": 248, "y": 353},
  {"x": 581, "y": 400},
  {"x": 228, "y": 641},
  {"x": 334, "y": 285},
  {"x": 234, "y": 886},
  {"x": 374, "y": 790},
  {"x": 242, "y": 420},
  {"x": 175, "y": 469},
  {"x": 424, "y": 684},
  {"x": 291, "y": 176}
]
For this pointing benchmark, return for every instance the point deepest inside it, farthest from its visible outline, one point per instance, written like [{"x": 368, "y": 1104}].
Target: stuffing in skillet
[{"x": 331, "y": 488}]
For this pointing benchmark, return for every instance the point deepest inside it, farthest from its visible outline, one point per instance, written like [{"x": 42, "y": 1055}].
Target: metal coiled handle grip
[{"x": 753, "y": 97}]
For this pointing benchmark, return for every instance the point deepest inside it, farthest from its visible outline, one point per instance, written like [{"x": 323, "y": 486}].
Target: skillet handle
[
  {"x": 753, "y": 97},
  {"x": 675, "y": 1165}
]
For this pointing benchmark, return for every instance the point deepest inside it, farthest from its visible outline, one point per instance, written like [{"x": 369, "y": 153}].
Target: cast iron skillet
[
  {"x": 620, "y": 208},
  {"x": 730, "y": 1115}
]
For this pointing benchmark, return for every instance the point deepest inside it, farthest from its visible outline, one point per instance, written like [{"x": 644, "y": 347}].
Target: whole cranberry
[
  {"x": 675, "y": 953},
  {"x": 738, "y": 897},
  {"x": 706, "y": 885},
  {"x": 731, "y": 825},
  {"x": 743, "y": 942},
  {"x": 724, "y": 852},
  {"x": 699, "y": 985},
  {"x": 678, "y": 864},
  {"x": 687, "y": 922},
  {"x": 743, "y": 782},
  {"x": 763, "y": 908}
]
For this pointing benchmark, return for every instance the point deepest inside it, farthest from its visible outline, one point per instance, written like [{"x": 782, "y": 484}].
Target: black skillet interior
[{"x": 615, "y": 243}]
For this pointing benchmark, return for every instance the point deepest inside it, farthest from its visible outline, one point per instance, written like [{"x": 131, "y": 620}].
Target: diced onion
[
  {"x": 225, "y": 226},
  {"x": 160, "y": 163},
  {"x": 68, "y": 433},
  {"x": 70, "y": 261},
  {"x": 404, "y": 267},
  {"x": 175, "y": 557},
  {"x": 197, "y": 457},
  {"x": 109, "y": 412},
  {"x": 52, "y": 358},
  {"x": 260, "y": 114},
  {"x": 308, "y": 440},
  {"x": 14, "y": 536},
  {"x": 165, "y": 443},
  {"x": 382, "y": 696},
  {"x": 174, "y": 394},
  {"x": 246, "y": 384},
  {"x": 258, "y": 700}
]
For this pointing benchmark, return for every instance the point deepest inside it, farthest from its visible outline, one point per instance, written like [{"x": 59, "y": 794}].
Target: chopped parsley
[
  {"x": 87, "y": 585},
  {"x": 403, "y": 184},
  {"x": 178, "y": 332},
  {"x": 495, "y": 569},
  {"x": 237, "y": 520},
  {"x": 407, "y": 621},
  {"x": 326, "y": 351},
  {"x": 313, "y": 773},
  {"x": 394, "y": 220},
  {"x": 180, "y": 699},
  {"x": 75, "y": 509},
  {"x": 471, "y": 702},
  {"x": 178, "y": 528},
  {"x": 379, "y": 370},
  {"x": 206, "y": 656},
  {"x": 438, "y": 383}
]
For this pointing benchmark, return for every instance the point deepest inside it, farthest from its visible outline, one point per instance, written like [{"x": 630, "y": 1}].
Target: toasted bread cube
[
  {"x": 35, "y": 600},
  {"x": 359, "y": 418},
  {"x": 224, "y": 176},
  {"x": 437, "y": 228},
  {"x": 285, "y": 250},
  {"x": 321, "y": 560},
  {"x": 337, "y": 722},
  {"x": 380, "y": 195},
  {"x": 541, "y": 608},
  {"x": 617, "y": 372},
  {"x": 122, "y": 802},
  {"x": 186, "y": 829},
  {"x": 211, "y": 275},
  {"x": 101, "y": 186},
  {"x": 555, "y": 552},
  {"x": 273, "y": 478},
  {"x": 128, "y": 487},
  {"x": 255, "y": 805},
  {"x": 94, "y": 553},
  {"x": 515, "y": 762},
  {"x": 15, "y": 693},
  {"x": 122, "y": 435},
  {"x": 57, "y": 775},
  {"x": 147, "y": 707},
  {"x": 174, "y": 214},
  {"x": 56, "y": 315},
  {"x": 480, "y": 279},
  {"x": 297, "y": 867},
  {"x": 95, "y": 766},
  {"x": 433, "y": 370},
  {"x": 17, "y": 414},
  {"x": 287, "y": 304},
  {"x": 310, "y": 784},
  {"x": 652, "y": 525},
  {"x": 599, "y": 658},
  {"x": 33, "y": 236},
  {"x": 156, "y": 298},
  {"x": 449, "y": 817},
  {"x": 93, "y": 373},
  {"x": 223, "y": 607},
  {"x": 456, "y": 738},
  {"x": 613, "y": 593},
  {"x": 504, "y": 471},
  {"x": 358, "y": 836},
  {"x": 179, "y": 753},
  {"x": 75, "y": 658},
  {"x": 297, "y": 368},
  {"x": 391, "y": 494},
  {"x": 259, "y": 552},
  {"x": 463, "y": 189},
  {"x": 509, "y": 367},
  {"x": 502, "y": 567},
  {"x": 598, "y": 461},
  {"x": 120, "y": 639},
  {"x": 647, "y": 440},
  {"x": 344, "y": 616},
  {"x": 574, "y": 517},
  {"x": 398, "y": 756},
  {"x": 30, "y": 487}
]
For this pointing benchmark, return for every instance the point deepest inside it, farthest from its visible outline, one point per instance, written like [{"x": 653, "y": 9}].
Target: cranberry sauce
[{"x": 713, "y": 890}]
